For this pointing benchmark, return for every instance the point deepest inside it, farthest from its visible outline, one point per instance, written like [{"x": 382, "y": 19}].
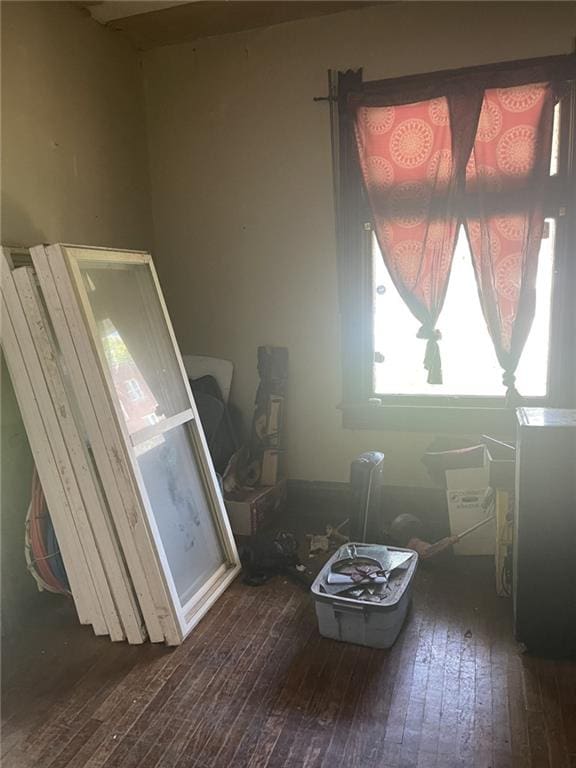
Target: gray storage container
[{"x": 376, "y": 625}]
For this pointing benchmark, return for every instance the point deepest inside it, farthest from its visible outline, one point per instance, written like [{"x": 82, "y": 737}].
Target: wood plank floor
[{"x": 257, "y": 686}]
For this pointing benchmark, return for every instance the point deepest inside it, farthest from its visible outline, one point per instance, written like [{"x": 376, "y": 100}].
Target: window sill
[{"x": 429, "y": 418}]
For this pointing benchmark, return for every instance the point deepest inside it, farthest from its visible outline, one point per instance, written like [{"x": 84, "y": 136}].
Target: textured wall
[
  {"x": 241, "y": 189},
  {"x": 73, "y": 169},
  {"x": 242, "y": 192}
]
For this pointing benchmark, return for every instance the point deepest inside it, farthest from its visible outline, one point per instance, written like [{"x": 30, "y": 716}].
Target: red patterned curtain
[
  {"x": 506, "y": 176},
  {"x": 436, "y": 149},
  {"x": 412, "y": 161}
]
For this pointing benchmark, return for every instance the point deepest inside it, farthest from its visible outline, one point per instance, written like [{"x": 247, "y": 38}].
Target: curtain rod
[{"x": 333, "y": 97}]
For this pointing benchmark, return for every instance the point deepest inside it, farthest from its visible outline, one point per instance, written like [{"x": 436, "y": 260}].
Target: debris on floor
[
  {"x": 269, "y": 554},
  {"x": 318, "y": 544},
  {"x": 333, "y": 537}
]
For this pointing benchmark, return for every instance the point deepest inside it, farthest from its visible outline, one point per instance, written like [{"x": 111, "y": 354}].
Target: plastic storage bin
[{"x": 376, "y": 625}]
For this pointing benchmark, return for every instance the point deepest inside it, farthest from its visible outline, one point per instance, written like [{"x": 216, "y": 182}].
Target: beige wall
[
  {"x": 241, "y": 184},
  {"x": 242, "y": 192},
  {"x": 73, "y": 169},
  {"x": 74, "y": 165}
]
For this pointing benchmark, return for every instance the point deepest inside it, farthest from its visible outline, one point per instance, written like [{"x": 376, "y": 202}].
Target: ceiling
[{"x": 151, "y": 24}]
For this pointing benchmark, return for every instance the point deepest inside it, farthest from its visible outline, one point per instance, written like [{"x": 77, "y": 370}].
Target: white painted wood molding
[
  {"x": 93, "y": 399},
  {"x": 102, "y": 537},
  {"x": 33, "y": 403}
]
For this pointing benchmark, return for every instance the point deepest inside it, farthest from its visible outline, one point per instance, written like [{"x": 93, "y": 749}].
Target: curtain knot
[
  {"x": 513, "y": 397},
  {"x": 508, "y": 378},
  {"x": 429, "y": 332},
  {"x": 432, "y": 359}
]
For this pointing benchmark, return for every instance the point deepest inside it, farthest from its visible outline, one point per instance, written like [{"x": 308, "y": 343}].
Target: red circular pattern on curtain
[
  {"x": 405, "y": 156},
  {"x": 438, "y": 111},
  {"x": 378, "y": 120},
  {"x": 378, "y": 172}
]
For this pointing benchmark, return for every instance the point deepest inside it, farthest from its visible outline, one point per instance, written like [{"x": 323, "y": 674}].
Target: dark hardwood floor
[{"x": 255, "y": 686}]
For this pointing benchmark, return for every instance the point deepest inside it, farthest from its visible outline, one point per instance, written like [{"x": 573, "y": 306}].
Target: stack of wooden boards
[
  {"x": 267, "y": 427},
  {"x": 116, "y": 439}
]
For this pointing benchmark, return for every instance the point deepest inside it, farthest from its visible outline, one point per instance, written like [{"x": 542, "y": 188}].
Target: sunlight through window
[{"x": 469, "y": 363}]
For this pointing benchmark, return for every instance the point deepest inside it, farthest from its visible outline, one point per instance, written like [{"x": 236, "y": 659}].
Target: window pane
[
  {"x": 181, "y": 510},
  {"x": 136, "y": 342},
  {"x": 469, "y": 362}
]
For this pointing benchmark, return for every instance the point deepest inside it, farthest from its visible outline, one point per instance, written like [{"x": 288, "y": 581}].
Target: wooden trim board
[
  {"x": 200, "y": 445},
  {"x": 185, "y": 615},
  {"x": 93, "y": 400},
  {"x": 52, "y": 480},
  {"x": 177, "y": 619},
  {"x": 144, "y": 528},
  {"x": 147, "y": 433},
  {"x": 79, "y": 520},
  {"x": 103, "y": 536}
]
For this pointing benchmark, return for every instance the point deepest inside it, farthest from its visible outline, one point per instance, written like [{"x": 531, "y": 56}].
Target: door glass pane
[
  {"x": 180, "y": 508},
  {"x": 135, "y": 341}
]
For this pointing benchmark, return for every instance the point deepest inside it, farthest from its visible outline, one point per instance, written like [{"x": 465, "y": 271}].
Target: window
[
  {"x": 133, "y": 390},
  {"x": 469, "y": 361},
  {"x": 382, "y": 358},
  {"x": 176, "y": 522}
]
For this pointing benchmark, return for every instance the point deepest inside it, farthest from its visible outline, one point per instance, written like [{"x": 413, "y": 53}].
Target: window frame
[
  {"x": 167, "y": 616},
  {"x": 185, "y": 613},
  {"x": 362, "y": 408}
]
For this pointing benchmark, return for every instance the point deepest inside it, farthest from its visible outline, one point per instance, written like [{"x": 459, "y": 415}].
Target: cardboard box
[
  {"x": 466, "y": 489},
  {"x": 274, "y": 421},
  {"x": 271, "y": 466},
  {"x": 254, "y": 509}
]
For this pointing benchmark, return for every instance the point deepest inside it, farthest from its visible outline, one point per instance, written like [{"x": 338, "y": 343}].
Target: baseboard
[{"x": 321, "y": 502}]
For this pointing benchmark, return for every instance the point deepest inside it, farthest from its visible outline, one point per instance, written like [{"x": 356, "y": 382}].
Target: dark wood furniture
[{"x": 545, "y": 531}]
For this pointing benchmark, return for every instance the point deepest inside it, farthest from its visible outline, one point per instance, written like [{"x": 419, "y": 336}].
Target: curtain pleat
[
  {"x": 413, "y": 159},
  {"x": 505, "y": 189}
]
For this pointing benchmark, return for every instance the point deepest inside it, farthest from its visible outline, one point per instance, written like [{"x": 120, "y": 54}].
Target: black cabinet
[{"x": 545, "y": 531}]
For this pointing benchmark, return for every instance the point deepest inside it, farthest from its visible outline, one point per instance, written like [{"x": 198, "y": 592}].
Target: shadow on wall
[
  {"x": 16, "y": 461},
  {"x": 17, "y": 228}
]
